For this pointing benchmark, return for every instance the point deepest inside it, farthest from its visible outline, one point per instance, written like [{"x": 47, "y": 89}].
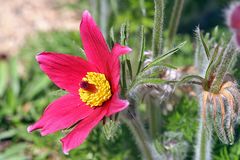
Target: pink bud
[
  {"x": 233, "y": 16},
  {"x": 233, "y": 21}
]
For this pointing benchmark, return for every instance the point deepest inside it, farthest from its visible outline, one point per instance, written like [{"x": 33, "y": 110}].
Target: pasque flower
[
  {"x": 233, "y": 20},
  {"x": 92, "y": 86}
]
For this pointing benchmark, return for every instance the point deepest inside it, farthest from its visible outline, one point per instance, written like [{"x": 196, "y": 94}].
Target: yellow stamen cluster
[{"x": 103, "y": 90}]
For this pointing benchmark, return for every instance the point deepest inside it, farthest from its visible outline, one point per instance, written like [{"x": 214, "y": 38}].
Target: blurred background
[{"x": 29, "y": 27}]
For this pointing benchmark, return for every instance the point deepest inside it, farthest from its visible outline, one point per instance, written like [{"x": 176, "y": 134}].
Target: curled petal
[
  {"x": 81, "y": 131},
  {"x": 114, "y": 64},
  {"x": 64, "y": 70},
  {"x": 61, "y": 114},
  {"x": 116, "y": 105},
  {"x": 120, "y": 50}
]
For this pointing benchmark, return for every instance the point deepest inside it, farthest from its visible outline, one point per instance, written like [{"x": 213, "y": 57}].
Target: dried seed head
[{"x": 221, "y": 110}]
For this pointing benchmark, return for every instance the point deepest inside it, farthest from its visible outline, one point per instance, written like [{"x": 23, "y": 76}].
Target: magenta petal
[
  {"x": 61, "y": 114},
  {"x": 114, "y": 64},
  {"x": 234, "y": 17},
  {"x": 94, "y": 43},
  {"x": 81, "y": 131},
  {"x": 120, "y": 50},
  {"x": 116, "y": 105},
  {"x": 64, "y": 70}
]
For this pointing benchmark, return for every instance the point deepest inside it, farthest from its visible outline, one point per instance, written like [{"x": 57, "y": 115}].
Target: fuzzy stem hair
[
  {"x": 157, "y": 40},
  {"x": 142, "y": 139},
  {"x": 203, "y": 146}
]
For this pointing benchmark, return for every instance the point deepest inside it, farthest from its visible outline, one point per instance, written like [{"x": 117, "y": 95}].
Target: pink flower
[
  {"x": 233, "y": 20},
  {"x": 92, "y": 86}
]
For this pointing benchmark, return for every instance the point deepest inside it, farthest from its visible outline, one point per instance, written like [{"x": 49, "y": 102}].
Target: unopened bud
[
  {"x": 233, "y": 20},
  {"x": 111, "y": 129}
]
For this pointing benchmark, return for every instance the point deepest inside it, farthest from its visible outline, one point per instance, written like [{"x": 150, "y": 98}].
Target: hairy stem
[
  {"x": 174, "y": 21},
  {"x": 157, "y": 49},
  {"x": 204, "y": 141},
  {"x": 153, "y": 118},
  {"x": 157, "y": 41},
  {"x": 143, "y": 141},
  {"x": 203, "y": 147}
]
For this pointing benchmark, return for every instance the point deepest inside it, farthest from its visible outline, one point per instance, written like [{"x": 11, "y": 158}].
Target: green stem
[
  {"x": 153, "y": 118},
  {"x": 203, "y": 148},
  {"x": 204, "y": 140},
  {"x": 140, "y": 55},
  {"x": 223, "y": 67},
  {"x": 124, "y": 35},
  {"x": 157, "y": 49},
  {"x": 143, "y": 141},
  {"x": 174, "y": 21},
  {"x": 123, "y": 76},
  {"x": 157, "y": 41}
]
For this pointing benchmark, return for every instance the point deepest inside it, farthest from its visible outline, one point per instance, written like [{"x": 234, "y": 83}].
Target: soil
[{"x": 22, "y": 18}]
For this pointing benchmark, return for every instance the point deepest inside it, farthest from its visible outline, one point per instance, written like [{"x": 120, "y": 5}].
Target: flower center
[{"x": 94, "y": 89}]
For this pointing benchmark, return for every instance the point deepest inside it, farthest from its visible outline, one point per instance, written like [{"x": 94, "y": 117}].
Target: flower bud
[
  {"x": 233, "y": 20},
  {"x": 233, "y": 16},
  {"x": 111, "y": 129},
  {"x": 221, "y": 110}
]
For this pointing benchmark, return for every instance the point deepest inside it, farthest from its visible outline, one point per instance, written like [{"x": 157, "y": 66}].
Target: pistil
[{"x": 88, "y": 87}]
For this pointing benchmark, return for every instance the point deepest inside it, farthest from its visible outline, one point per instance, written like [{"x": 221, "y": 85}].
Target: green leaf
[
  {"x": 14, "y": 152},
  {"x": 126, "y": 60},
  {"x": 11, "y": 101},
  {"x": 7, "y": 134},
  {"x": 112, "y": 38},
  {"x": 143, "y": 9},
  {"x": 147, "y": 81},
  {"x": 169, "y": 65},
  {"x": 215, "y": 32},
  {"x": 189, "y": 78},
  {"x": 14, "y": 76},
  {"x": 124, "y": 33},
  {"x": 129, "y": 66},
  {"x": 38, "y": 84},
  {"x": 123, "y": 39},
  {"x": 142, "y": 47},
  {"x": 211, "y": 64},
  {"x": 218, "y": 61},
  {"x": 159, "y": 59},
  {"x": 204, "y": 45},
  {"x": 3, "y": 77}
]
